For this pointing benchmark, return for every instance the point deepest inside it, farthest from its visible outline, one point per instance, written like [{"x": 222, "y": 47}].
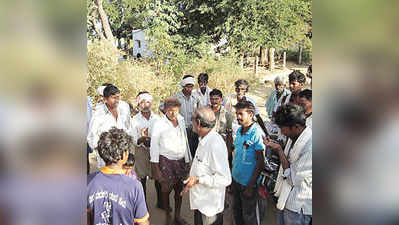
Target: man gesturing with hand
[{"x": 209, "y": 173}]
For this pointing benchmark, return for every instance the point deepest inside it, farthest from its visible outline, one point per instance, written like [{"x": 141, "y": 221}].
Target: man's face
[
  {"x": 145, "y": 106},
  {"x": 112, "y": 101},
  {"x": 295, "y": 86},
  {"x": 202, "y": 83},
  {"x": 279, "y": 88},
  {"x": 306, "y": 104},
  {"x": 241, "y": 90},
  {"x": 188, "y": 88},
  {"x": 216, "y": 100},
  {"x": 288, "y": 131},
  {"x": 244, "y": 117},
  {"x": 172, "y": 112}
]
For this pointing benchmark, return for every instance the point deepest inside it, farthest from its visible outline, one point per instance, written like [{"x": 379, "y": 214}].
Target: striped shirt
[
  {"x": 294, "y": 185},
  {"x": 188, "y": 106}
]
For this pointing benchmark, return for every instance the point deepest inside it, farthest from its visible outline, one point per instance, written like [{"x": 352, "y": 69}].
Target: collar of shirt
[
  {"x": 203, "y": 140},
  {"x": 249, "y": 131},
  {"x": 198, "y": 90},
  {"x": 107, "y": 170},
  {"x": 181, "y": 95}
]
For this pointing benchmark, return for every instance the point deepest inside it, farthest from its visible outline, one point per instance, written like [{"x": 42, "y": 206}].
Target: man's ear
[{"x": 125, "y": 156}]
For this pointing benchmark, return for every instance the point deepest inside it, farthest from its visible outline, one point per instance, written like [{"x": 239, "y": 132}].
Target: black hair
[
  {"x": 204, "y": 122},
  {"x": 171, "y": 102},
  {"x": 130, "y": 160},
  {"x": 310, "y": 68},
  {"x": 216, "y": 92},
  {"x": 185, "y": 76},
  {"x": 110, "y": 90},
  {"x": 306, "y": 94},
  {"x": 245, "y": 105},
  {"x": 112, "y": 144},
  {"x": 203, "y": 77},
  {"x": 142, "y": 92},
  {"x": 241, "y": 82},
  {"x": 297, "y": 76},
  {"x": 290, "y": 115},
  {"x": 106, "y": 84}
]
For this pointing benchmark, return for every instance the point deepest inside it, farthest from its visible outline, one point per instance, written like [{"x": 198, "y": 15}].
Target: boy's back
[{"x": 114, "y": 198}]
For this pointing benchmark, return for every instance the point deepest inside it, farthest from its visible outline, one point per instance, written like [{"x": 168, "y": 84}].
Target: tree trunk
[
  {"x": 284, "y": 59},
  {"x": 104, "y": 20},
  {"x": 271, "y": 58},
  {"x": 262, "y": 55},
  {"x": 242, "y": 61},
  {"x": 300, "y": 54},
  {"x": 95, "y": 25},
  {"x": 256, "y": 61}
]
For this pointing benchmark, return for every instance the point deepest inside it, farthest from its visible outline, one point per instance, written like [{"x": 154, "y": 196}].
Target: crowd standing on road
[{"x": 206, "y": 144}]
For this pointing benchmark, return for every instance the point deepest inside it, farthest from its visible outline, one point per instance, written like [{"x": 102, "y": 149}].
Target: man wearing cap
[
  {"x": 111, "y": 117},
  {"x": 189, "y": 103},
  {"x": 141, "y": 132},
  {"x": 202, "y": 92}
]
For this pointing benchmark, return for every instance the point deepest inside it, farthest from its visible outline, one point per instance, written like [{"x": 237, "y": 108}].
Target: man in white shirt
[
  {"x": 203, "y": 90},
  {"x": 189, "y": 103},
  {"x": 101, "y": 108},
  {"x": 170, "y": 156},
  {"x": 102, "y": 122},
  {"x": 305, "y": 100},
  {"x": 141, "y": 132},
  {"x": 210, "y": 172},
  {"x": 294, "y": 181}
]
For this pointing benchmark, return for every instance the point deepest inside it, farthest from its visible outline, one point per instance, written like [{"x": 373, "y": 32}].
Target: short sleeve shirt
[
  {"x": 245, "y": 147},
  {"x": 115, "y": 199}
]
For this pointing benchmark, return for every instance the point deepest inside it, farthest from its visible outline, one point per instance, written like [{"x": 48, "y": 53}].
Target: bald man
[{"x": 209, "y": 173}]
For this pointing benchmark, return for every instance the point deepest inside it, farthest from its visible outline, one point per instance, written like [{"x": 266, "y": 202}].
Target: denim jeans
[
  {"x": 288, "y": 217},
  {"x": 247, "y": 211}
]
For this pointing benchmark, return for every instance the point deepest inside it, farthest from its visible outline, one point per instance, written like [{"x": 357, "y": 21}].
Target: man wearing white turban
[
  {"x": 189, "y": 103},
  {"x": 140, "y": 130}
]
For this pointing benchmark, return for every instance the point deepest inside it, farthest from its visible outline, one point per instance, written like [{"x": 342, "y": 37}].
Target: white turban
[
  {"x": 187, "y": 80},
  {"x": 100, "y": 90},
  {"x": 144, "y": 96}
]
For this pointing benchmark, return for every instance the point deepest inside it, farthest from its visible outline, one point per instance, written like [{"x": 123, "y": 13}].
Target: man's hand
[
  {"x": 145, "y": 140},
  {"x": 271, "y": 145},
  {"x": 190, "y": 182},
  {"x": 144, "y": 132},
  {"x": 248, "y": 192}
]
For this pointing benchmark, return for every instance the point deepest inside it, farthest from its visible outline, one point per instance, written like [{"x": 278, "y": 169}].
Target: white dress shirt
[
  {"x": 294, "y": 185},
  {"x": 123, "y": 108},
  {"x": 211, "y": 165},
  {"x": 101, "y": 122},
  {"x": 309, "y": 121},
  {"x": 138, "y": 123},
  {"x": 169, "y": 141},
  {"x": 203, "y": 98}
]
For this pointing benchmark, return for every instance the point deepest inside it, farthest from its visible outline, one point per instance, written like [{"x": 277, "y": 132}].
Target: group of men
[{"x": 203, "y": 143}]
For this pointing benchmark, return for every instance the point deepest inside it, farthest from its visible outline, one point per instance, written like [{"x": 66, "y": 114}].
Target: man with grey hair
[
  {"x": 209, "y": 173},
  {"x": 276, "y": 97}
]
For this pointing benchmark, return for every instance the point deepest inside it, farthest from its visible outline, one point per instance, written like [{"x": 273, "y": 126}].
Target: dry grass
[{"x": 132, "y": 77}]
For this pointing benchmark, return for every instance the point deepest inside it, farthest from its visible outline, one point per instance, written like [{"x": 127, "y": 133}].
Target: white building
[{"x": 140, "y": 44}]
